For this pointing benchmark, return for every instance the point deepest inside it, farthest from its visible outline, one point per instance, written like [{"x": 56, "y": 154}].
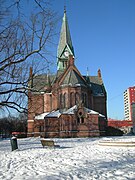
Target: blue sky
[{"x": 103, "y": 36}]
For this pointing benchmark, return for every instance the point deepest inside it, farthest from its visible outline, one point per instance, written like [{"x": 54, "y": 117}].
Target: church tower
[
  {"x": 66, "y": 104},
  {"x": 65, "y": 47}
]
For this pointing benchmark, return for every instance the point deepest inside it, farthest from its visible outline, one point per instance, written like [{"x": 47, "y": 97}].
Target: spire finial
[
  {"x": 99, "y": 73},
  {"x": 87, "y": 71},
  {"x": 87, "y": 76},
  {"x": 64, "y": 8}
]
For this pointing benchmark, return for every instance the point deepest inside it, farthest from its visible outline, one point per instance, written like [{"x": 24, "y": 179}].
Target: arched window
[
  {"x": 78, "y": 120},
  {"x": 41, "y": 128},
  {"x": 82, "y": 120},
  {"x": 60, "y": 101},
  {"x": 64, "y": 100},
  {"x": 85, "y": 100},
  {"x": 72, "y": 99},
  {"x": 77, "y": 98},
  {"x": 80, "y": 117}
]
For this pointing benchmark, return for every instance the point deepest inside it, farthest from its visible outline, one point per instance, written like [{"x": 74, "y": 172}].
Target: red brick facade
[
  {"x": 79, "y": 124},
  {"x": 52, "y": 98},
  {"x": 68, "y": 125}
]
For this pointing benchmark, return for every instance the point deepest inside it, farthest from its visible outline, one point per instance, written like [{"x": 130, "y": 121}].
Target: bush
[{"x": 111, "y": 131}]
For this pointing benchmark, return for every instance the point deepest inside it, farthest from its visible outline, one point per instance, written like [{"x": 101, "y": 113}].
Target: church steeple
[{"x": 65, "y": 47}]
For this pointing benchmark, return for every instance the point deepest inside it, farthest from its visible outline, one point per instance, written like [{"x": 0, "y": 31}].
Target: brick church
[{"x": 67, "y": 104}]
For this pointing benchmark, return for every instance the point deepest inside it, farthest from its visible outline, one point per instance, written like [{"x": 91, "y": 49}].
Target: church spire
[
  {"x": 65, "y": 9},
  {"x": 65, "y": 47}
]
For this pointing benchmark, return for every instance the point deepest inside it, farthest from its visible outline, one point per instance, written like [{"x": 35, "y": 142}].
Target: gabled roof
[
  {"x": 93, "y": 79},
  {"x": 89, "y": 111},
  {"x": 40, "y": 81},
  {"x": 96, "y": 85},
  {"x": 97, "y": 90},
  {"x": 41, "y": 116},
  {"x": 53, "y": 114},
  {"x": 73, "y": 78}
]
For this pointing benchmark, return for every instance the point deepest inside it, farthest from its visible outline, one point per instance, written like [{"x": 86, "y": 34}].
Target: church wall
[
  {"x": 39, "y": 128},
  {"x": 90, "y": 127},
  {"x": 90, "y": 100},
  {"x": 52, "y": 127},
  {"x": 70, "y": 96},
  {"x": 30, "y": 127},
  {"x": 35, "y": 106},
  {"x": 54, "y": 100},
  {"x": 67, "y": 126},
  {"x": 47, "y": 102},
  {"x": 99, "y": 104},
  {"x": 102, "y": 125},
  {"x": 48, "y": 128}
]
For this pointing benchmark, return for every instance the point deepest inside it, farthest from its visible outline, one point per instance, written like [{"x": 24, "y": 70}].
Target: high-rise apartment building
[
  {"x": 129, "y": 98},
  {"x": 133, "y": 116}
]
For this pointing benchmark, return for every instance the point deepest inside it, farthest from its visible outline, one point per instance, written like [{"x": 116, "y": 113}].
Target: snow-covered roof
[
  {"x": 48, "y": 114},
  {"x": 54, "y": 114},
  {"x": 89, "y": 111},
  {"x": 41, "y": 116},
  {"x": 101, "y": 115},
  {"x": 69, "y": 111}
]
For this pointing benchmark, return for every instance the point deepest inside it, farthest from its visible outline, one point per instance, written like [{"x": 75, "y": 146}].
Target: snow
[
  {"x": 76, "y": 158},
  {"x": 57, "y": 113},
  {"x": 13, "y": 137},
  {"x": 41, "y": 116}
]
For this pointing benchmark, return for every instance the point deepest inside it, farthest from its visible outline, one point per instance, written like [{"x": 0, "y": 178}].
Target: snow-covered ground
[{"x": 78, "y": 158}]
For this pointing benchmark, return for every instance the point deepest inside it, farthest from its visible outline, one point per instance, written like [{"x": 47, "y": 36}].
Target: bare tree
[
  {"x": 26, "y": 35},
  {"x": 11, "y": 124}
]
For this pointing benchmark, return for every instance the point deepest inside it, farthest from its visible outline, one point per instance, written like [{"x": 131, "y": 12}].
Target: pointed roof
[
  {"x": 71, "y": 76},
  {"x": 65, "y": 37},
  {"x": 73, "y": 79}
]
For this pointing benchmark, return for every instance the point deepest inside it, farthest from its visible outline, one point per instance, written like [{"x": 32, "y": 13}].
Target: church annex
[{"x": 67, "y": 104}]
